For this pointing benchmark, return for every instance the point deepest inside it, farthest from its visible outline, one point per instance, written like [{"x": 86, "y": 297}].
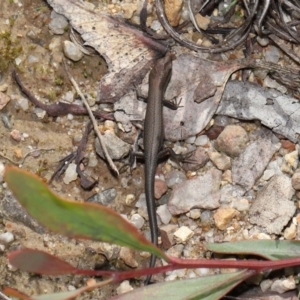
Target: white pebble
[
  {"x": 202, "y": 271},
  {"x": 72, "y": 51},
  {"x": 190, "y": 140},
  {"x": 70, "y": 117},
  {"x": 39, "y": 112},
  {"x": 6, "y": 238},
  {"x": 282, "y": 285},
  {"x": 124, "y": 287},
  {"x": 201, "y": 140},
  {"x": 70, "y": 174},
  {"x": 137, "y": 221},
  {"x": 164, "y": 214},
  {"x": 265, "y": 285},
  {"x": 268, "y": 174},
  {"x": 183, "y": 234},
  {"x": 23, "y": 104}
]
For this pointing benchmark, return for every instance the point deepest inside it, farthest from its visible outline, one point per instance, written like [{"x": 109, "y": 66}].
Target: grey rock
[
  {"x": 272, "y": 54},
  {"x": 58, "y": 23},
  {"x": 273, "y": 207},
  {"x": 13, "y": 211},
  {"x": 124, "y": 119},
  {"x": 106, "y": 197},
  {"x": 175, "y": 177},
  {"x": 249, "y": 101},
  {"x": 199, "y": 192},
  {"x": 230, "y": 193},
  {"x": 133, "y": 107},
  {"x": 164, "y": 214},
  {"x": 116, "y": 148},
  {"x": 72, "y": 51},
  {"x": 250, "y": 165},
  {"x": 198, "y": 159}
]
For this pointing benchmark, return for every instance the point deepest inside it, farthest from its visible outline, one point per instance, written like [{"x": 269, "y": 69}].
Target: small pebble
[
  {"x": 39, "y": 112},
  {"x": 220, "y": 160},
  {"x": 6, "y": 238},
  {"x": 23, "y": 103},
  {"x": 105, "y": 197},
  {"x": 130, "y": 199},
  {"x": 272, "y": 54},
  {"x": 70, "y": 174},
  {"x": 164, "y": 214},
  {"x": 194, "y": 214},
  {"x": 265, "y": 285},
  {"x": 283, "y": 285},
  {"x": 290, "y": 232},
  {"x": 241, "y": 204},
  {"x": 190, "y": 140},
  {"x": 124, "y": 287},
  {"x": 58, "y": 23},
  {"x": 263, "y": 41},
  {"x": 201, "y": 140},
  {"x": 137, "y": 221},
  {"x": 16, "y": 135},
  {"x": 232, "y": 140},
  {"x": 223, "y": 217},
  {"x": 290, "y": 162},
  {"x": 268, "y": 174},
  {"x": 72, "y": 51},
  {"x": 183, "y": 234}
]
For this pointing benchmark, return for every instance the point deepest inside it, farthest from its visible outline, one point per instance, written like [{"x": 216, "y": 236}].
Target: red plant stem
[{"x": 177, "y": 263}]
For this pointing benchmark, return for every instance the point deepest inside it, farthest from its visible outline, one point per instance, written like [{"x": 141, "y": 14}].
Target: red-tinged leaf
[
  {"x": 204, "y": 288},
  {"x": 39, "y": 262},
  {"x": 268, "y": 249},
  {"x": 8, "y": 291},
  {"x": 74, "y": 219}
]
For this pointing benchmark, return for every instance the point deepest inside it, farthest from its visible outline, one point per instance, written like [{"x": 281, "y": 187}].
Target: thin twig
[
  {"x": 4, "y": 297},
  {"x": 21, "y": 162},
  {"x": 99, "y": 135}
]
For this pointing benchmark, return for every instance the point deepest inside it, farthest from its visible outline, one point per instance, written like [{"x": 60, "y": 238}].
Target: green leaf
[
  {"x": 268, "y": 249},
  {"x": 74, "y": 219},
  {"x": 203, "y": 288}
]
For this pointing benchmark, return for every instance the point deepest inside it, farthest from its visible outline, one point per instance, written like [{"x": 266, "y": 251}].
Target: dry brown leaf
[
  {"x": 198, "y": 84},
  {"x": 129, "y": 53}
]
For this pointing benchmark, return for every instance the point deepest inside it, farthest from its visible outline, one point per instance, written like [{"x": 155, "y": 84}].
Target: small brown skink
[{"x": 153, "y": 137}]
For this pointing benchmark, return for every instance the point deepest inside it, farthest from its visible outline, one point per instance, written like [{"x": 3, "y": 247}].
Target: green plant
[
  {"x": 96, "y": 222},
  {"x": 9, "y": 49}
]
